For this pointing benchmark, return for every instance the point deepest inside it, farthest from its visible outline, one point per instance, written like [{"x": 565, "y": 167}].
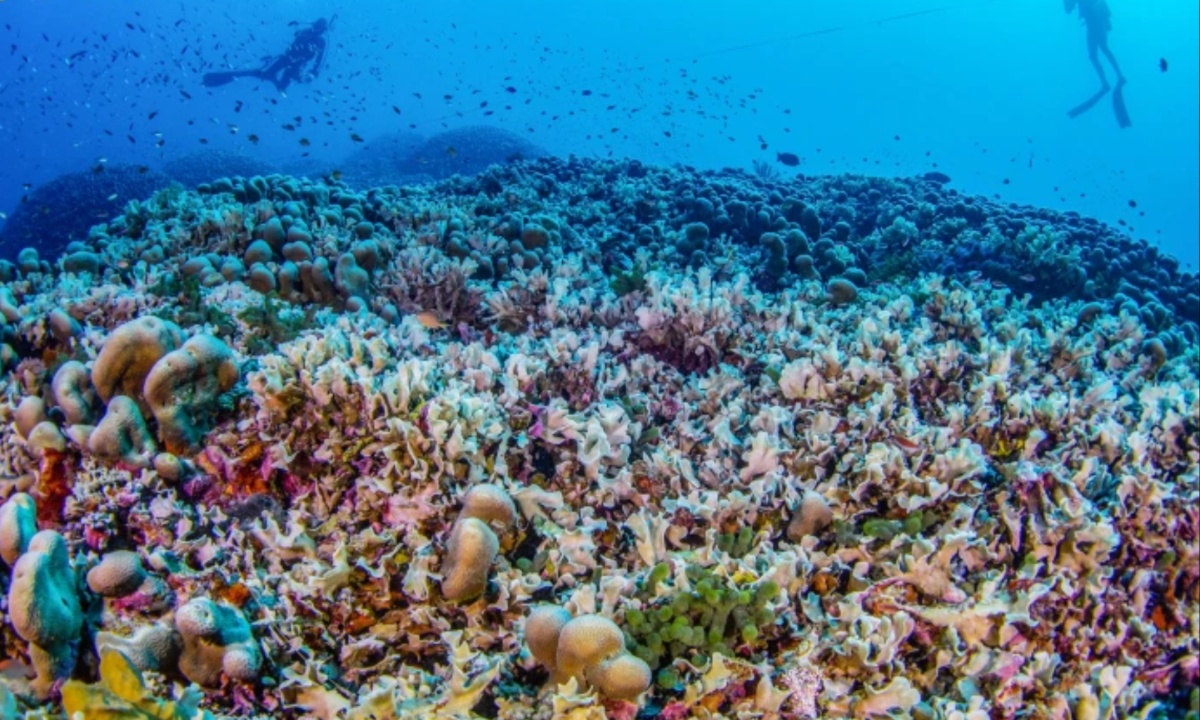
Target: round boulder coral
[
  {"x": 18, "y": 525},
  {"x": 119, "y": 573},
  {"x": 489, "y": 503},
  {"x": 130, "y": 352},
  {"x": 121, "y": 435},
  {"x": 183, "y": 389},
  {"x": 542, "y": 629},
  {"x": 469, "y": 555},
  {"x": 216, "y": 640},
  {"x": 74, "y": 394},
  {"x": 44, "y": 608},
  {"x": 591, "y": 649}
]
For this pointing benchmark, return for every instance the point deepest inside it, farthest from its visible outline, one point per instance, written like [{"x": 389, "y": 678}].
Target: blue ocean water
[{"x": 977, "y": 89}]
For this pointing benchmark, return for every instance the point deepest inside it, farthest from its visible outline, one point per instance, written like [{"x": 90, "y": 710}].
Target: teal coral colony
[{"x": 589, "y": 439}]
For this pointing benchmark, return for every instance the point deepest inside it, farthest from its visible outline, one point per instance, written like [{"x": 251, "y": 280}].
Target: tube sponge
[
  {"x": 182, "y": 390},
  {"x": 18, "y": 525},
  {"x": 216, "y": 640},
  {"x": 44, "y": 606},
  {"x": 129, "y": 353}
]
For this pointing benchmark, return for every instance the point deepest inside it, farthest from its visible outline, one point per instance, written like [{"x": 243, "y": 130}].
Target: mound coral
[
  {"x": 43, "y": 603},
  {"x": 183, "y": 390},
  {"x": 216, "y": 641}
]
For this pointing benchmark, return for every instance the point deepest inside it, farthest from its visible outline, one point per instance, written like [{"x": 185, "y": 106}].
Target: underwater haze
[{"x": 599, "y": 361}]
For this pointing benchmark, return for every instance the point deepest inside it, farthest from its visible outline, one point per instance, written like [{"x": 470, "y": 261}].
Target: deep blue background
[{"x": 979, "y": 88}]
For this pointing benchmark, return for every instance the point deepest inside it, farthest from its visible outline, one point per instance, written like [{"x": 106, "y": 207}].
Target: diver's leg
[
  {"x": 1108, "y": 53},
  {"x": 1094, "y": 55}
]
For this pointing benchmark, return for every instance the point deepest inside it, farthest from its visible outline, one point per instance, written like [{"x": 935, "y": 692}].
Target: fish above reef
[
  {"x": 940, "y": 178},
  {"x": 787, "y": 158}
]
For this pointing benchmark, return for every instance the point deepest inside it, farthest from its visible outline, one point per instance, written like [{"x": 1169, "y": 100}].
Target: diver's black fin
[
  {"x": 217, "y": 79},
  {"x": 1088, "y": 104},
  {"x": 1119, "y": 108}
]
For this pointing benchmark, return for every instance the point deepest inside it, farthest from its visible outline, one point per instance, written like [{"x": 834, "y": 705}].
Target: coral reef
[
  {"x": 65, "y": 208},
  {"x": 594, "y": 439}
]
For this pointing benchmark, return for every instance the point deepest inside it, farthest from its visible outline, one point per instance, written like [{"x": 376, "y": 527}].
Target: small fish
[
  {"x": 429, "y": 320},
  {"x": 787, "y": 158},
  {"x": 142, "y": 169},
  {"x": 304, "y": 142},
  {"x": 252, "y": 138},
  {"x": 395, "y": 109},
  {"x": 905, "y": 443},
  {"x": 3, "y": 216},
  {"x": 113, "y": 197},
  {"x": 356, "y": 137},
  {"x": 451, "y": 151},
  {"x": 152, "y": 115},
  {"x": 336, "y": 175},
  {"x": 1162, "y": 64}
]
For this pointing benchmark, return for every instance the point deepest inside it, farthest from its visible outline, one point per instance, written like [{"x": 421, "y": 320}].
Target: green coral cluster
[
  {"x": 737, "y": 544},
  {"x": 270, "y": 326},
  {"x": 716, "y": 615},
  {"x": 624, "y": 282},
  {"x": 188, "y": 305}
]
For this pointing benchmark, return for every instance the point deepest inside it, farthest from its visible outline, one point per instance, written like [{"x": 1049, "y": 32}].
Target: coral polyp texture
[{"x": 593, "y": 439}]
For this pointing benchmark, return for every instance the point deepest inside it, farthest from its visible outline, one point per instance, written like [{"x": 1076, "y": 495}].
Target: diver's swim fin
[
  {"x": 1119, "y": 108},
  {"x": 217, "y": 79},
  {"x": 1088, "y": 104}
]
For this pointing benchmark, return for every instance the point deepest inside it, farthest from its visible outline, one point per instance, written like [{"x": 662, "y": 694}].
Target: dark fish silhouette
[
  {"x": 1162, "y": 64},
  {"x": 938, "y": 177},
  {"x": 789, "y": 159}
]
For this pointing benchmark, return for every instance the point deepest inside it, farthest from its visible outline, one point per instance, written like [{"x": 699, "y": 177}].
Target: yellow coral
[{"x": 121, "y": 694}]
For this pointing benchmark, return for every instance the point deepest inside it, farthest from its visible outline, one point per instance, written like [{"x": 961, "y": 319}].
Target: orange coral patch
[{"x": 56, "y": 477}]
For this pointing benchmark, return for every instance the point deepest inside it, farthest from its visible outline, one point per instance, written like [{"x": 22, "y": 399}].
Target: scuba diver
[
  {"x": 1097, "y": 19},
  {"x": 307, "y": 47}
]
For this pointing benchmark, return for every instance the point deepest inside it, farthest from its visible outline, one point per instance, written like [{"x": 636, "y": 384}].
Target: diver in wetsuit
[
  {"x": 299, "y": 63},
  {"x": 1097, "y": 18}
]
